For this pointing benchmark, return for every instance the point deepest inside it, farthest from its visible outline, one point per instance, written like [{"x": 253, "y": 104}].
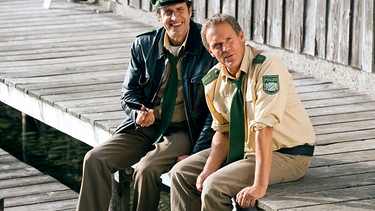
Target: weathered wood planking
[
  {"x": 64, "y": 48},
  {"x": 25, "y": 188},
  {"x": 315, "y": 28},
  {"x": 363, "y": 35},
  {"x": 259, "y": 22},
  {"x": 230, "y": 7},
  {"x": 205, "y": 8},
  {"x": 245, "y": 14},
  {"x": 293, "y": 32},
  {"x": 337, "y": 31},
  {"x": 275, "y": 21}
]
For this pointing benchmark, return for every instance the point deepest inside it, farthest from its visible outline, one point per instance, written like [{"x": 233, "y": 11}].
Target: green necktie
[
  {"x": 169, "y": 99},
  {"x": 237, "y": 124}
]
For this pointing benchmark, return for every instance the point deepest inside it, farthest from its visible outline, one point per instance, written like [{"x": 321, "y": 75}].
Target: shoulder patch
[
  {"x": 259, "y": 59},
  {"x": 146, "y": 32},
  {"x": 271, "y": 84},
  {"x": 210, "y": 76}
]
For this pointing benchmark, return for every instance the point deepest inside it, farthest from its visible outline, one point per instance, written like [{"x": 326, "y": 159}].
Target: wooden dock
[
  {"x": 25, "y": 188},
  {"x": 64, "y": 66}
]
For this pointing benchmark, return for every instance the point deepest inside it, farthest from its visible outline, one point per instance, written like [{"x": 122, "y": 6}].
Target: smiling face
[
  {"x": 176, "y": 20},
  {"x": 226, "y": 45}
]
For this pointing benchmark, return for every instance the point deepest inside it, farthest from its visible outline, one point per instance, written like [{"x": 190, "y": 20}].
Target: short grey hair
[{"x": 217, "y": 19}]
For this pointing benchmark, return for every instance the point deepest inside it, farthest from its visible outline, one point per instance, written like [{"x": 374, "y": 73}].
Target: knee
[
  {"x": 211, "y": 188},
  {"x": 208, "y": 187},
  {"x": 92, "y": 159},
  {"x": 146, "y": 170},
  {"x": 176, "y": 169},
  {"x": 177, "y": 173}
]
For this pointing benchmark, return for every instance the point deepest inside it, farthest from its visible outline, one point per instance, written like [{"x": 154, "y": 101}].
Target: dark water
[{"x": 47, "y": 149}]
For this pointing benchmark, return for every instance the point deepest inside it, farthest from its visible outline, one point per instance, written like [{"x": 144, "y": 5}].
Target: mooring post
[
  {"x": 30, "y": 136},
  {"x": 121, "y": 190}
]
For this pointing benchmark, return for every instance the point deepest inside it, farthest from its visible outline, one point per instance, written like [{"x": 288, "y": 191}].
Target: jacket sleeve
[
  {"x": 132, "y": 88},
  {"x": 205, "y": 138}
]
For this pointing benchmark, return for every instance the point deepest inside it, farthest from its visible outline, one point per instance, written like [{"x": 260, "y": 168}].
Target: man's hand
[
  {"x": 248, "y": 196},
  {"x": 182, "y": 157},
  {"x": 201, "y": 178},
  {"x": 145, "y": 118}
]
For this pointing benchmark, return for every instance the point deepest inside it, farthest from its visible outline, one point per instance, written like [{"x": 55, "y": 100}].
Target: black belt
[{"x": 306, "y": 150}]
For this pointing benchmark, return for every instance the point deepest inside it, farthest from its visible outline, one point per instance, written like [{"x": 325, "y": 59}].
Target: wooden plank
[
  {"x": 338, "y": 170},
  {"x": 115, "y": 66},
  {"x": 344, "y": 127},
  {"x": 76, "y": 87},
  {"x": 68, "y": 205},
  {"x": 308, "y": 96},
  {"x": 345, "y": 100},
  {"x": 345, "y": 117},
  {"x": 200, "y": 7},
  {"x": 341, "y": 109},
  {"x": 80, "y": 59},
  {"x": 346, "y": 147},
  {"x": 213, "y": 7},
  {"x": 107, "y": 107},
  {"x": 315, "y": 29},
  {"x": 146, "y": 6},
  {"x": 362, "y": 41},
  {"x": 135, "y": 3},
  {"x": 25, "y": 187},
  {"x": 293, "y": 30},
  {"x": 259, "y": 21},
  {"x": 308, "y": 201},
  {"x": 345, "y": 136},
  {"x": 274, "y": 27},
  {"x": 308, "y": 81},
  {"x": 52, "y": 200},
  {"x": 338, "y": 31},
  {"x": 307, "y": 185},
  {"x": 24, "y": 181},
  {"x": 244, "y": 17},
  {"x": 341, "y": 158},
  {"x": 229, "y": 7},
  {"x": 25, "y": 172},
  {"x": 318, "y": 87},
  {"x": 360, "y": 205}
]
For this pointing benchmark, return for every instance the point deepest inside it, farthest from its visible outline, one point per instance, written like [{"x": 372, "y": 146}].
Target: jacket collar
[{"x": 193, "y": 45}]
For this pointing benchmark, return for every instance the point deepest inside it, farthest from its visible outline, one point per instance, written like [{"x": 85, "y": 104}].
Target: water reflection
[{"x": 43, "y": 147}]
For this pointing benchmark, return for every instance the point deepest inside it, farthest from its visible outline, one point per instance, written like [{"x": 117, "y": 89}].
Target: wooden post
[
  {"x": 30, "y": 134},
  {"x": 1, "y": 203},
  {"x": 121, "y": 190}
]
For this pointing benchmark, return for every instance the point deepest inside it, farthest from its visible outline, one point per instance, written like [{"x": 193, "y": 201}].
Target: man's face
[
  {"x": 176, "y": 20},
  {"x": 226, "y": 46}
]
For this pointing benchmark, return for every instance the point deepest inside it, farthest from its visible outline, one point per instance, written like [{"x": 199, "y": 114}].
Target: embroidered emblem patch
[{"x": 271, "y": 84}]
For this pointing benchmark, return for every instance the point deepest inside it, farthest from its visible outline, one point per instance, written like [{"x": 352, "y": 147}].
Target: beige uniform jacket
[{"x": 270, "y": 99}]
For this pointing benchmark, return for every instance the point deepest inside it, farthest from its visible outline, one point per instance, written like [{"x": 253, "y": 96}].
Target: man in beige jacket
[{"x": 276, "y": 139}]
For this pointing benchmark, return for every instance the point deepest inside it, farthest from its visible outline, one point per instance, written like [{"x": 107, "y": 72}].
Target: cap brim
[{"x": 161, "y": 5}]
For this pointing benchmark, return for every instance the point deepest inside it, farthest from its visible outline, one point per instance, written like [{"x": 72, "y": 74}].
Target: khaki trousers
[
  {"x": 221, "y": 186},
  {"x": 122, "y": 151}
]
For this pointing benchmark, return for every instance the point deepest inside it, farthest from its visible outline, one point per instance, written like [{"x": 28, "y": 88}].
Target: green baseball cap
[{"x": 165, "y": 3}]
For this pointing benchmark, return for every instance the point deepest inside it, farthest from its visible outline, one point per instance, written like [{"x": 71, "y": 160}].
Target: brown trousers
[
  {"x": 221, "y": 186},
  {"x": 122, "y": 151}
]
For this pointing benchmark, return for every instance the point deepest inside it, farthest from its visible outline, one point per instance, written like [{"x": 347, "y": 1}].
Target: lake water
[{"x": 48, "y": 150}]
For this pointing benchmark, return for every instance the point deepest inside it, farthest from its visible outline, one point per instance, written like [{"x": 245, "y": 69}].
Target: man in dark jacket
[{"x": 167, "y": 116}]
